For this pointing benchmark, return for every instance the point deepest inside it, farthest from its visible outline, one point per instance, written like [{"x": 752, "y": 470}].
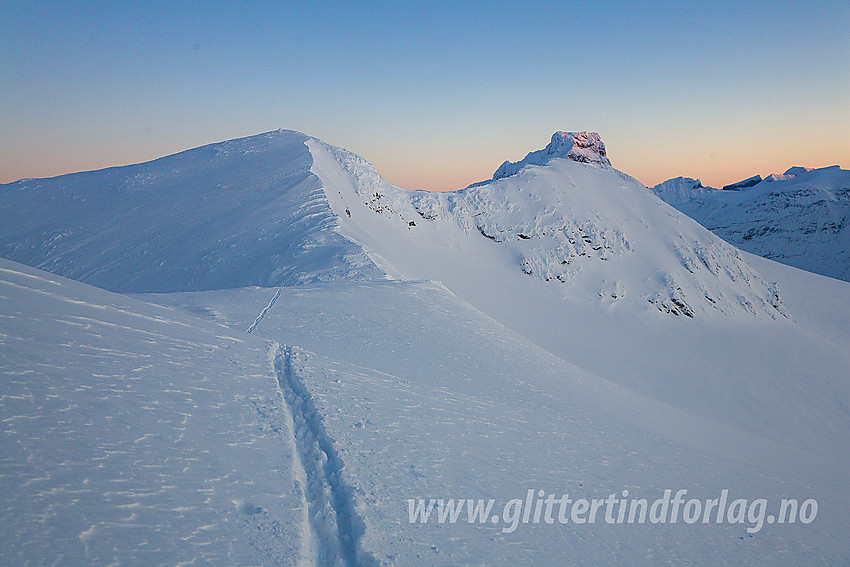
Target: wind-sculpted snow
[
  {"x": 586, "y": 227},
  {"x": 236, "y": 213},
  {"x": 133, "y": 434},
  {"x": 800, "y": 218},
  {"x": 422, "y": 396}
]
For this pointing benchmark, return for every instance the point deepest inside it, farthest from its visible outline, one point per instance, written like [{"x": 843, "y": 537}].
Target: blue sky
[{"x": 435, "y": 95}]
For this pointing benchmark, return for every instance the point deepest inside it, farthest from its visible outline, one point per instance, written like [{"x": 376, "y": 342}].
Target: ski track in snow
[
  {"x": 336, "y": 528},
  {"x": 263, "y": 312}
]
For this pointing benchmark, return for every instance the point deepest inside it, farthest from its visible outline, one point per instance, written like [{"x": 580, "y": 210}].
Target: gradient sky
[{"x": 435, "y": 96}]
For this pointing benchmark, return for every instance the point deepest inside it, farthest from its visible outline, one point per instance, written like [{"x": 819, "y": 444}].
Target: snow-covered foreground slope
[
  {"x": 132, "y": 434},
  {"x": 426, "y": 397},
  {"x": 802, "y": 220},
  {"x": 236, "y": 213}
]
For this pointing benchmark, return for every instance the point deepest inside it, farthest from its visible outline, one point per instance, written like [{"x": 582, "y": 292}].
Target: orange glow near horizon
[
  {"x": 451, "y": 159},
  {"x": 438, "y": 172},
  {"x": 683, "y": 89},
  {"x": 713, "y": 168}
]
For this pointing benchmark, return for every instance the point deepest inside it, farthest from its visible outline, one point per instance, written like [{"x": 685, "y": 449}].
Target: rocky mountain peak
[{"x": 585, "y": 147}]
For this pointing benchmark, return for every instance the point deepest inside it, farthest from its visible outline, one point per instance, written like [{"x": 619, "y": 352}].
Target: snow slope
[
  {"x": 237, "y": 213},
  {"x": 801, "y": 218},
  {"x": 135, "y": 434},
  {"x": 281, "y": 208},
  {"x": 425, "y": 396}
]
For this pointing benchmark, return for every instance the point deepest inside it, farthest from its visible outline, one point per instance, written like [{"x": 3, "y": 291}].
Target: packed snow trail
[
  {"x": 336, "y": 527},
  {"x": 263, "y": 312}
]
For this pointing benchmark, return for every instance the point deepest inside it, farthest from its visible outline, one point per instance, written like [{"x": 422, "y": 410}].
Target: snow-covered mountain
[
  {"x": 591, "y": 232},
  {"x": 556, "y": 328},
  {"x": 681, "y": 189},
  {"x": 586, "y": 147},
  {"x": 271, "y": 209},
  {"x": 743, "y": 184},
  {"x": 800, "y": 218},
  {"x": 237, "y": 213}
]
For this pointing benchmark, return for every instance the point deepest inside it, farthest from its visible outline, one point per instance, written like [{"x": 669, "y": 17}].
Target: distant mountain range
[{"x": 800, "y": 218}]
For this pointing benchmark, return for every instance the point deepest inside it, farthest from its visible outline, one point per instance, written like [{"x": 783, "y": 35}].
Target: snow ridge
[
  {"x": 263, "y": 211},
  {"x": 337, "y": 527},
  {"x": 743, "y": 184},
  {"x": 232, "y": 214}
]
